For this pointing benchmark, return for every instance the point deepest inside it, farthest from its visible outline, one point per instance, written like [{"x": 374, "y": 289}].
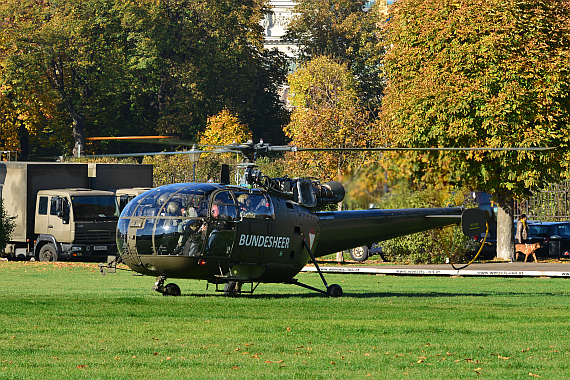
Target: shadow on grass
[{"x": 356, "y": 295}]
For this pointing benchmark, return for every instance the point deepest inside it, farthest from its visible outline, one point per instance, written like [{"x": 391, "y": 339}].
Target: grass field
[{"x": 65, "y": 321}]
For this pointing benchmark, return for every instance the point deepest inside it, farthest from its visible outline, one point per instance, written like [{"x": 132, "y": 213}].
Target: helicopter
[{"x": 264, "y": 230}]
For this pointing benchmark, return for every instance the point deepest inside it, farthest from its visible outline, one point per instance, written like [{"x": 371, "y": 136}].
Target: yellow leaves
[
  {"x": 223, "y": 129},
  {"x": 327, "y": 116},
  {"x": 476, "y": 79}
]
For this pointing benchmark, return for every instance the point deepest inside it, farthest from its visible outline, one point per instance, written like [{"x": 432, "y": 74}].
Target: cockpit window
[
  {"x": 254, "y": 205},
  {"x": 223, "y": 206}
]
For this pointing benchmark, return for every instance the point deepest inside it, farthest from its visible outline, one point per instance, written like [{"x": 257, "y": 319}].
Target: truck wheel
[
  {"x": 48, "y": 253},
  {"x": 359, "y": 253}
]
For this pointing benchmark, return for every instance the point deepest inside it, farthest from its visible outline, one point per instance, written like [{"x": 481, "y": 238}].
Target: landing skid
[{"x": 235, "y": 287}]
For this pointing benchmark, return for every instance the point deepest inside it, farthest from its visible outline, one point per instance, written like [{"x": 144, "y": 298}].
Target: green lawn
[{"x": 65, "y": 321}]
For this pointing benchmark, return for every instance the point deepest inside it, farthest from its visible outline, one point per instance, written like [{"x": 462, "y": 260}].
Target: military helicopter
[{"x": 264, "y": 230}]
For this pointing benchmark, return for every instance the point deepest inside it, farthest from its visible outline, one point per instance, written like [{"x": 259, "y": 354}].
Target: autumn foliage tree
[
  {"x": 112, "y": 68},
  {"x": 224, "y": 129},
  {"x": 482, "y": 73},
  {"x": 327, "y": 114},
  {"x": 347, "y": 31},
  {"x": 71, "y": 52}
]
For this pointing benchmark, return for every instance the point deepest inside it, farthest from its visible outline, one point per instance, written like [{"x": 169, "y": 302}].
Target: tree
[
  {"x": 69, "y": 49},
  {"x": 192, "y": 59},
  {"x": 345, "y": 30},
  {"x": 482, "y": 73},
  {"x": 224, "y": 129},
  {"x": 7, "y": 226},
  {"x": 327, "y": 114},
  {"x": 140, "y": 67}
]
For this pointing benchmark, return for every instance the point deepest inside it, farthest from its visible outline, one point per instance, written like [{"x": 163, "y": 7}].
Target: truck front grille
[{"x": 94, "y": 236}]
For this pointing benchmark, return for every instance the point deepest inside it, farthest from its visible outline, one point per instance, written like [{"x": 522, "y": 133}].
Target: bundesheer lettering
[{"x": 280, "y": 242}]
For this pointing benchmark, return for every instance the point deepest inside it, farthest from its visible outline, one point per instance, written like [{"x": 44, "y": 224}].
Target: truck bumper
[{"x": 86, "y": 252}]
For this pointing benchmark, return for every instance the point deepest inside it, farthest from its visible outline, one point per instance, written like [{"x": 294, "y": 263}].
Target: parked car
[
  {"x": 554, "y": 236},
  {"x": 489, "y": 250}
]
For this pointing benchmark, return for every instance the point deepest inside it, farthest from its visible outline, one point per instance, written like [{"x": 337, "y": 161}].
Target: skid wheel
[
  {"x": 334, "y": 291},
  {"x": 172, "y": 290},
  {"x": 232, "y": 288}
]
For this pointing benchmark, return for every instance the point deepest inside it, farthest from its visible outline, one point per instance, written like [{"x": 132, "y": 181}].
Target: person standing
[{"x": 522, "y": 230}]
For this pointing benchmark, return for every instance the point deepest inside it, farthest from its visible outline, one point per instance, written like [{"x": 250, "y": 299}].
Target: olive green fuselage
[{"x": 264, "y": 246}]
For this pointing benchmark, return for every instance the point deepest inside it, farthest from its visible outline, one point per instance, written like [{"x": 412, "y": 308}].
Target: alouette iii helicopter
[{"x": 264, "y": 231}]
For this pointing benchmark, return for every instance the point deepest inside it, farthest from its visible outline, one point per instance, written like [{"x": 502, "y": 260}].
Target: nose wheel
[{"x": 168, "y": 290}]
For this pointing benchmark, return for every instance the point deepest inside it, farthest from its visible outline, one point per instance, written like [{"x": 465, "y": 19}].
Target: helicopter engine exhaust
[
  {"x": 311, "y": 193},
  {"x": 331, "y": 192}
]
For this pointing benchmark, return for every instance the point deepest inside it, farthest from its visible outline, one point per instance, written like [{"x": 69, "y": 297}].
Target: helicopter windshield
[
  {"x": 191, "y": 200},
  {"x": 174, "y": 220},
  {"x": 189, "y": 219}
]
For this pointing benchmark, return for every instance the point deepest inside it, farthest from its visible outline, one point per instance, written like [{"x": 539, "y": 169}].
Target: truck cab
[
  {"x": 124, "y": 196},
  {"x": 75, "y": 223}
]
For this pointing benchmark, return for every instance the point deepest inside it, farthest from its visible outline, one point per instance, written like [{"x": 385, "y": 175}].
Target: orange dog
[{"x": 527, "y": 250}]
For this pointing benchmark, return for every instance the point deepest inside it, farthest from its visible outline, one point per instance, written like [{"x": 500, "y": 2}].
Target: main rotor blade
[
  {"x": 296, "y": 149},
  {"x": 250, "y": 148},
  {"x": 166, "y": 140},
  {"x": 102, "y": 138},
  {"x": 119, "y": 155}
]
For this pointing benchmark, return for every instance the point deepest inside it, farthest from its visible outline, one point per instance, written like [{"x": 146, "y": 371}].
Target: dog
[{"x": 527, "y": 250}]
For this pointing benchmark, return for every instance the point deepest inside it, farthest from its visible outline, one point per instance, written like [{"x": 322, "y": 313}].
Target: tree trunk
[
  {"x": 23, "y": 135},
  {"x": 339, "y": 255},
  {"x": 505, "y": 230},
  {"x": 78, "y": 130}
]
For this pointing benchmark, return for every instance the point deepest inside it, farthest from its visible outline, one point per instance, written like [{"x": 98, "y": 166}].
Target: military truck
[
  {"x": 119, "y": 176},
  {"x": 126, "y": 180},
  {"x": 57, "y": 214},
  {"x": 75, "y": 223},
  {"x": 124, "y": 196}
]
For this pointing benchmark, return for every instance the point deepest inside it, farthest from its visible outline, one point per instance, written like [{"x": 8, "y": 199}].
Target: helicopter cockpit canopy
[
  {"x": 181, "y": 199},
  {"x": 190, "y": 219},
  {"x": 192, "y": 200}
]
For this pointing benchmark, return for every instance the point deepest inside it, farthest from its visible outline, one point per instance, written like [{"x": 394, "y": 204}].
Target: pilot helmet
[
  {"x": 162, "y": 199},
  {"x": 244, "y": 199},
  {"x": 173, "y": 208}
]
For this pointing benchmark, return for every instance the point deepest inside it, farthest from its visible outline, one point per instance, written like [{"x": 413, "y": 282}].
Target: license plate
[{"x": 100, "y": 248}]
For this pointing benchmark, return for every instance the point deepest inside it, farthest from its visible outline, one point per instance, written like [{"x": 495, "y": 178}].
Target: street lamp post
[{"x": 194, "y": 156}]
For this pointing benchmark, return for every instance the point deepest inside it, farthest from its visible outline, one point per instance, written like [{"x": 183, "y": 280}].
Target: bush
[
  {"x": 7, "y": 226},
  {"x": 428, "y": 247}
]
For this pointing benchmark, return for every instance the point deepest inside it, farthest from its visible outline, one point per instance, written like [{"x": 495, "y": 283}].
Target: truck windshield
[{"x": 94, "y": 207}]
